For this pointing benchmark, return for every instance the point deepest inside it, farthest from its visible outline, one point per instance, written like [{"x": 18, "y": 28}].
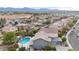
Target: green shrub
[
  {"x": 22, "y": 49},
  {"x": 60, "y": 34},
  {"x": 63, "y": 39},
  {"x": 70, "y": 50},
  {"x": 70, "y": 24},
  {"x": 21, "y": 32},
  {"x": 11, "y": 49},
  {"x": 49, "y": 48},
  {"x": 16, "y": 46}
]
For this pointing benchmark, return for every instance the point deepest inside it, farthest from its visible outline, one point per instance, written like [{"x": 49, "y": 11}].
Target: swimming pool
[{"x": 25, "y": 40}]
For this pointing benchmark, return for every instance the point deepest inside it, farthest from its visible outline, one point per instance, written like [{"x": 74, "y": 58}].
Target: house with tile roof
[
  {"x": 45, "y": 37},
  {"x": 9, "y": 28},
  {"x": 60, "y": 24},
  {"x": 23, "y": 27}
]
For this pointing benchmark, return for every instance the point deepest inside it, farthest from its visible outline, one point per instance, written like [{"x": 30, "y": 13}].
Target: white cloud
[{"x": 64, "y": 4}]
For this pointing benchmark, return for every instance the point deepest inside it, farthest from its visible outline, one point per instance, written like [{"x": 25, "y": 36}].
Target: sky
[{"x": 61, "y": 4}]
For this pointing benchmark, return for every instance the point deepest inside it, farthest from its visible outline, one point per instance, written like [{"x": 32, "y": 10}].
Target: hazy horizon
[
  {"x": 50, "y": 8},
  {"x": 61, "y": 4}
]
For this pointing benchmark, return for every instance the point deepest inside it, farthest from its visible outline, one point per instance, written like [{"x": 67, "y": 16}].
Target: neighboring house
[
  {"x": 60, "y": 24},
  {"x": 56, "y": 41},
  {"x": 51, "y": 32},
  {"x": 9, "y": 28},
  {"x": 24, "y": 27},
  {"x": 45, "y": 37},
  {"x": 49, "y": 36},
  {"x": 40, "y": 43},
  {"x": 66, "y": 21},
  {"x": 37, "y": 23},
  {"x": 15, "y": 16},
  {"x": 14, "y": 22}
]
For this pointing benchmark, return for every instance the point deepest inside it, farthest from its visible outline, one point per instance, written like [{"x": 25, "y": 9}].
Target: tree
[
  {"x": 74, "y": 20},
  {"x": 70, "y": 24},
  {"x": 2, "y": 22},
  {"x": 9, "y": 38},
  {"x": 30, "y": 34},
  {"x": 60, "y": 34},
  {"x": 65, "y": 29},
  {"x": 47, "y": 22},
  {"x": 63, "y": 38},
  {"x": 34, "y": 31}
]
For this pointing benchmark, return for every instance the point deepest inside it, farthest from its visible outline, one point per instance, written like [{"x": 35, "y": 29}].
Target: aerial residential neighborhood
[{"x": 38, "y": 31}]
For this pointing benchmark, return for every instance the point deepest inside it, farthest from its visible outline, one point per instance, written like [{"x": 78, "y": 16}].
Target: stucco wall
[{"x": 40, "y": 43}]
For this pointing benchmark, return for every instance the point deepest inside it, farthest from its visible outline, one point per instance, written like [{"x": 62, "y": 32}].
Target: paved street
[{"x": 73, "y": 37}]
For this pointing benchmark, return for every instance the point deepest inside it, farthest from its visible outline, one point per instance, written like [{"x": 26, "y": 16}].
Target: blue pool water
[{"x": 25, "y": 40}]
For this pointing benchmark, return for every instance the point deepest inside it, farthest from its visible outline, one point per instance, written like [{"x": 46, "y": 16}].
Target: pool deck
[{"x": 27, "y": 44}]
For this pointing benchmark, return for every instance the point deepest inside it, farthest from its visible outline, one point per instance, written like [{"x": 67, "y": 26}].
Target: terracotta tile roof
[
  {"x": 9, "y": 28},
  {"x": 49, "y": 30},
  {"x": 16, "y": 16}
]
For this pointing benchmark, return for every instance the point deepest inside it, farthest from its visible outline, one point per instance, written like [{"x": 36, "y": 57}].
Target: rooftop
[
  {"x": 9, "y": 28},
  {"x": 49, "y": 30}
]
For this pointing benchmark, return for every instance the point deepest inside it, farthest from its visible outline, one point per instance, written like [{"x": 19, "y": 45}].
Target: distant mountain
[
  {"x": 25, "y": 9},
  {"x": 55, "y": 11}
]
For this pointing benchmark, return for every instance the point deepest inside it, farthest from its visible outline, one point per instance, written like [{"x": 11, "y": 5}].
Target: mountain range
[{"x": 25, "y": 9}]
